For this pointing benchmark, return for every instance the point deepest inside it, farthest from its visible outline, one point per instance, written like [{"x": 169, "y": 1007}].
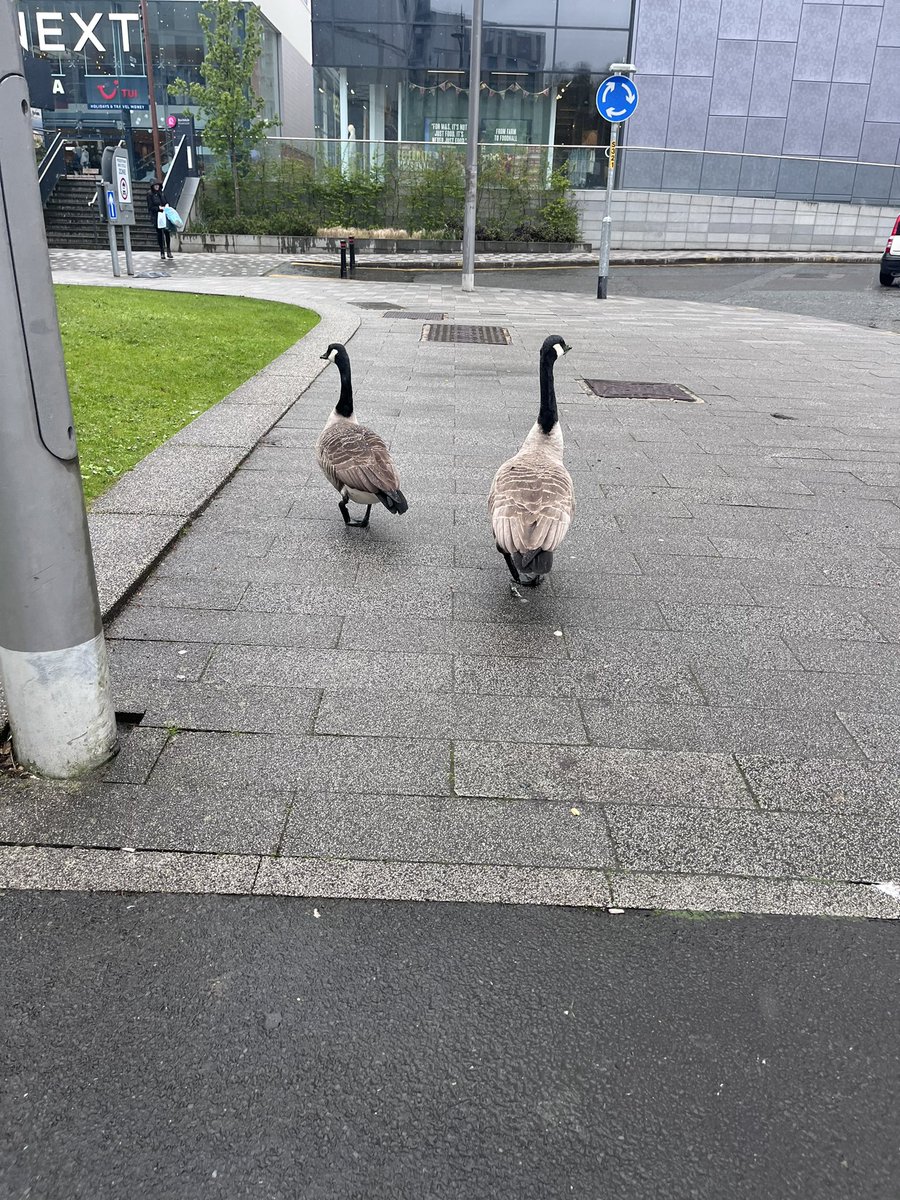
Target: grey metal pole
[
  {"x": 606, "y": 226},
  {"x": 468, "y": 247},
  {"x": 52, "y": 653},
  {"x": 113, "y": 247},
  {"x": 129, "y": 261}
]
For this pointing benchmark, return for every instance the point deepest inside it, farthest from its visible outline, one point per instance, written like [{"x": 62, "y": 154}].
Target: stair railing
[
  {"x": 51, "y": 166},
  {"x": 176, "y": 173}
]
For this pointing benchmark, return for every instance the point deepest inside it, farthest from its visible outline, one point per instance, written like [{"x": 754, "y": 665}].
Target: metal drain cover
[
  {"x": 418, "y": 316},
  {"x": 621, "y": 389},
  {"x": 374, "y": 304},
  {"x": 152, "y": 275},
  {"x": 482, "y": 335}
]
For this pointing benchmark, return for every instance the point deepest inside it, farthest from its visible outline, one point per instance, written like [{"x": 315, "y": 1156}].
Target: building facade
[
  {"x": 768, "y": 84},
  {"x": 87, "y": 68}
]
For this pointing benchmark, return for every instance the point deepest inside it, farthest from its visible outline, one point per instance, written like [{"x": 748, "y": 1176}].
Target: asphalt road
[
  {"x": 181, "y": 1047},
  {"x": 836, "y": 292}
]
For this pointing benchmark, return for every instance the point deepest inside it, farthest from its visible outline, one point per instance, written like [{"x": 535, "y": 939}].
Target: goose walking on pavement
[
  {"x": 532, "y": 498},
  {"x": 353, "y": 458}
]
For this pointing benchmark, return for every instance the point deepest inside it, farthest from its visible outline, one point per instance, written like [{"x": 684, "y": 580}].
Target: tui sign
[{"x": 117, "y": 91}]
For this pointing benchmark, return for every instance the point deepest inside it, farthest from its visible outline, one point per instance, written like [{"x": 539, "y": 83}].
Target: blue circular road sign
[{"x": 617, "y": 98}]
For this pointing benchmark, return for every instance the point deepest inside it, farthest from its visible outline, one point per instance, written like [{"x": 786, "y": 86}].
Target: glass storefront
[
  {"x": 95, "y": 39},
  {"x": 397, "y": 70}
]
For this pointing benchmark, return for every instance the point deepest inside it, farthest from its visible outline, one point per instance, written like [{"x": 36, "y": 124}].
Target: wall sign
[{"x": 117, "y": 91}]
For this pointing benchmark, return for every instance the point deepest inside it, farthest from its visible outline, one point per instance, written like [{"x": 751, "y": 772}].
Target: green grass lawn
[{"x": 142, "y": 365}]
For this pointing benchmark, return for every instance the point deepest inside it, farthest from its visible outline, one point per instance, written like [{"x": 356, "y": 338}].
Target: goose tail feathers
[
  {"x": 395, "y": 502},
  {"x": 533, "y": 564}
]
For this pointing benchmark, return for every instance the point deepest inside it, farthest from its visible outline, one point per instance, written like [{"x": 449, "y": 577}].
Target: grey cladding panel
[
  {"x": 689, "y": 111},
  {"x": 780, "y": 20},
  {"x": 844, "y": 121},
  {"x": 650, "y": 122},
  {"x": 806, "y": 118},
  {"x": 856, "y": 45},
  {"x": 817, "y": 42},
  {"x": 695, "y": 52},
  {"x": 772, "y": 76},
  {"x": 733, "y": 79},
  {"x": 765, "y": 135},
  {"x": 889, "y": 34},
  {"x": 726, "y": 133},
  {"x": 884, "y": 100},
  {"x": 657, "y": 33},
  {"x": 740, "y": 19}
]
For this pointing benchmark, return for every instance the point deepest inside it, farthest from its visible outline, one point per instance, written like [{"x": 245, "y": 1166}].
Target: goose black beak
[
  {"x": 566, "y": 348},
  {"x": 325, "y": 356}
]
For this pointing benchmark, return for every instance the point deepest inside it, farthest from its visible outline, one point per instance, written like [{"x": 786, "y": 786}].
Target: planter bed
[{"x": 245, "y": 243}]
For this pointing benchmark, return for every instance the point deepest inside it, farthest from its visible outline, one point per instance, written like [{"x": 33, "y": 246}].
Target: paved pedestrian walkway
[{"x": 699, "y": 710}]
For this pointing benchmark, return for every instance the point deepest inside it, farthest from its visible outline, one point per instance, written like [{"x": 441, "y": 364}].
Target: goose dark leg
[
  {"x": 511, "y": 565},
  {"x": 345, "y": 513}
]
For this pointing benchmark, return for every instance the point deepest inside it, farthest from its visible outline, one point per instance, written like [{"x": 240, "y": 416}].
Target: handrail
[
  {"x": 176, "y": 173},
  {"x": 51, "y": 166},
  {"x": 623, "y": 148}
]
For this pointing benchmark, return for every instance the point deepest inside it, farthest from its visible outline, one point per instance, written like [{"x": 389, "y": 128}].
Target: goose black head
[
  {"x": 336, "y": 353},
  {"x": 554, "y": 344}
]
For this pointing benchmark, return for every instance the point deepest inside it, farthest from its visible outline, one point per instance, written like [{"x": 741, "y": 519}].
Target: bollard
[
  {"x": 352, "y": 254},
  {"x": 343, "y": 258}
]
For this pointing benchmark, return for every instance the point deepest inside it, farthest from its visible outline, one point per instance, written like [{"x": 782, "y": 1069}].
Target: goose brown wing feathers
[
  {"x": 532, "y": 502},
  {"x": 353, "y": 456}
]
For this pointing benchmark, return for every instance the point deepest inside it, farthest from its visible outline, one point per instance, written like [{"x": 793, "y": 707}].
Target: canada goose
[
  {"x": 354, "y": 459},
  {"x": 532, "y": 499}
]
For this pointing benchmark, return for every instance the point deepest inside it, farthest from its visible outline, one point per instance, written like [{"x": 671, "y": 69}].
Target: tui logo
[{"x": 109, "y": 95}]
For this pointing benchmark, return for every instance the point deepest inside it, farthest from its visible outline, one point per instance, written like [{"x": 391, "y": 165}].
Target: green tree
[{"x": 233, "y": 110}]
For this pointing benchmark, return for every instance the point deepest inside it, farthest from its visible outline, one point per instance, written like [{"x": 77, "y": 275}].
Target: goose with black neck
[
  {"x": 353, "y": 458},
  {"x": 532, "y": 498}
]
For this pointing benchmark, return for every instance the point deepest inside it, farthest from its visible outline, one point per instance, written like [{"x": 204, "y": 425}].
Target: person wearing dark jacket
[{"x": 155, "y": 205}]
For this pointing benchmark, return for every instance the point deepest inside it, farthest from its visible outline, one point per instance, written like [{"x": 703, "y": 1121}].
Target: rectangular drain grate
[
  {"x": 418, "y": 316},
  {"x": 621, "y": 389},
  {"x": 482, "y": 335}
]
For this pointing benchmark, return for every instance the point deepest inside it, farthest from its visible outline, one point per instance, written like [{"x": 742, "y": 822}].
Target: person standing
[{"x": 156, "y": 207}]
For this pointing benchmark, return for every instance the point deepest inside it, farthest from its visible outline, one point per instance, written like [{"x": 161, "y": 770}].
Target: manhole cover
[
  {"x": 622, "y": 389},
  {"x": 374, "y": 304},
  {"x": 152, "y": 275},
  {"x": 483, "y": 335},
  {"x": 418, "y": 316}
]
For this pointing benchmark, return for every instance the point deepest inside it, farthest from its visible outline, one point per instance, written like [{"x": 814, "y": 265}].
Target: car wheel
[{"x": 885, "y": 278}]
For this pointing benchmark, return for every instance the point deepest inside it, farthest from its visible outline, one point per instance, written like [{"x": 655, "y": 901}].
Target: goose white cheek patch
[{"x": 559, "y": 350}]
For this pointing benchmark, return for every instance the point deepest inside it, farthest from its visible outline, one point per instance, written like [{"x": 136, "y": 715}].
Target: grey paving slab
[
  {"x": 727, "y": 894},
  {"x": 751, "y": 622},
  {"x": 647, "y": 646},
  {"x": 828, "y": 691},
  {"x": 259, "y": 764},
  {"x": 110, "y": 816},
  {"x": 190, "y": 593},
  {"x": 823, "y": 784},
  {"x": 348, "y": 670},
  {"x": 220, "y": 707},
  {"x": 147, "y": 661},
  {"x": 495, "y": 884},
  {"x": 590, "y": 774},
  {"x": 440, "y": 830},
  {"x": 234, "y": 628},
  {"x": 125, "y": 871},
  {"x": 648, "y": 679},
  {"x": 136, "y": 756},
  {"x": 692, "y": 727},
  {"x": 878, "y": 734},
  {"x": 790, "y": 845},
  {"x": 849, "y": 657}
]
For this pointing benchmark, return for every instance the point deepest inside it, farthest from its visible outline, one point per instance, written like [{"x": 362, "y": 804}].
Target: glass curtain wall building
[
  {"x": 398, "y": 70},
  {"x": 92, "y": 44}
]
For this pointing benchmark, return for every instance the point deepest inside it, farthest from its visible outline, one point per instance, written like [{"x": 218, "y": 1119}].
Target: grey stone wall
[
  {"x": 653, "y": 220},
  {"x": 814, "y": 78}
]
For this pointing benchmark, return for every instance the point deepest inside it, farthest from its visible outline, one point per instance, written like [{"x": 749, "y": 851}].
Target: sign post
[
  {"x": 617, "y": 98},
  {"x": 468, "y": 245},
  {"x": 53, "y": 661},
  {"x": 118, "y": 203}
]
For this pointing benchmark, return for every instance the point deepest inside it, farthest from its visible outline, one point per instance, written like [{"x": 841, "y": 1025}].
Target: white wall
[{"x": 293, "y": 20}]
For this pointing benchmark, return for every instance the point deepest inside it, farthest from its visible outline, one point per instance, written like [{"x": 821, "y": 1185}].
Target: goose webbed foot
[{"x": 345, "y": 513}]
